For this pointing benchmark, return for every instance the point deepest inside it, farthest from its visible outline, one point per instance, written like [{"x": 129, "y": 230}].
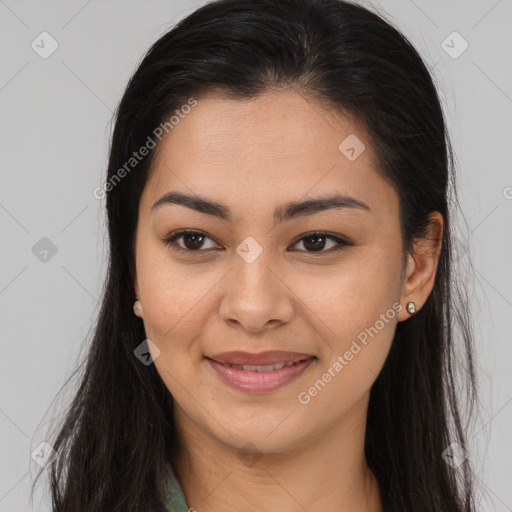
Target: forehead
[{"x": 280, "y": 145}]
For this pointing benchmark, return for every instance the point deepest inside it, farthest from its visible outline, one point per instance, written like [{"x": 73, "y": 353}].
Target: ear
[
  {"x": 421, "y": 267},
  {"x": 137, "y": 305}
]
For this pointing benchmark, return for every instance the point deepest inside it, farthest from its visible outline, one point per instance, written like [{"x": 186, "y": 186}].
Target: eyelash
[{"x": 341, "y": 243}]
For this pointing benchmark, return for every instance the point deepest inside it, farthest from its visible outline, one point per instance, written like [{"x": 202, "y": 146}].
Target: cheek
[
  {"x": 354, "y": 355},
  {"x": 359, "y": 305},
  {"x": 175, "y": 295},
  {"x": 352, "y": 296}
]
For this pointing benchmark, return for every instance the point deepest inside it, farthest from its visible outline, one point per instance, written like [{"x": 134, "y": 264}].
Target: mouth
[{"x": 259, "y": 373}]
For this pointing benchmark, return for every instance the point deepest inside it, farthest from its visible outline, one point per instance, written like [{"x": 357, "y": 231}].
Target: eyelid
[
  {"x": 181, "y": 232},
  {"x": 341, "y": 242},
  {"x": 332, "y": 236}
]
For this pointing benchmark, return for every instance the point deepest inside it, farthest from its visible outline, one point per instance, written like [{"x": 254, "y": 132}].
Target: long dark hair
[{"x": 118, "y": 435}]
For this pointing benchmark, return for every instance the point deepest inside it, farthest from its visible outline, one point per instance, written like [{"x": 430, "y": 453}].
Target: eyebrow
[{"x": 283, "y": 213}]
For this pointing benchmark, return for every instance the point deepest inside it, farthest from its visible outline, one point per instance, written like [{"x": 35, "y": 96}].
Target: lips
[
  {"x": 260, "y": 378},
  {"x": 262, "y": 372},
  {"x": 262, "y": 361}
]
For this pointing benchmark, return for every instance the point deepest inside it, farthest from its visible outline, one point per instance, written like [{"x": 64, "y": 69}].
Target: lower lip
[{"x": 259, "y": 382}]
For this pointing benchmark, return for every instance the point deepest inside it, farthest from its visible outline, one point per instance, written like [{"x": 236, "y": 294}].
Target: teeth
[
  {"x": 266, "y": 368},
  {"x": 261, "y": 368}
]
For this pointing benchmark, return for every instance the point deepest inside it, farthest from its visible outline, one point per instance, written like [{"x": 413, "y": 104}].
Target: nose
[{"x": 256, "y": 297}]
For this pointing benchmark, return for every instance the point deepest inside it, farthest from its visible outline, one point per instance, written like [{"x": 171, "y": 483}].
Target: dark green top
[{"x": 175, "y": 498}]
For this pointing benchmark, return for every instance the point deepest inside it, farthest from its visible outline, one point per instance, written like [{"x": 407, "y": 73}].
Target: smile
[{"x": 260, "y": 378}]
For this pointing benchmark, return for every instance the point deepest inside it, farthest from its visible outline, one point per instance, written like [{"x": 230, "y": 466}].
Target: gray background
[{"x": 55, "y": 125}]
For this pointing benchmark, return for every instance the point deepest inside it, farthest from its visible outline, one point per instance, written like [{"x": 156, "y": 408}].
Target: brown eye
[
  {"x": 316, "y": 242},
  {"x": 193, "y": 241}
]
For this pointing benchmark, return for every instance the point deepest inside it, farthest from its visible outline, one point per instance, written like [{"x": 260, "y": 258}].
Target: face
[{"x": 321, "y": 283}]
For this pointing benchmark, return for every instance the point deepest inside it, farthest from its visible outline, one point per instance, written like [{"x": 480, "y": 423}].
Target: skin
[{"x": 268, "y": 451}]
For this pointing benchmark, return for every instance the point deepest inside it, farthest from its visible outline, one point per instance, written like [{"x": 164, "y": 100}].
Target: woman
[{"x": 278, "y": 199}]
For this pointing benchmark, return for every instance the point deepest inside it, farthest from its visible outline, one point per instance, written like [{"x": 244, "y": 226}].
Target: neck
[{"x": 327, "y": 473}]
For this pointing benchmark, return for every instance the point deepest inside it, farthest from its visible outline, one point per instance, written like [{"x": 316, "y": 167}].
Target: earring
[
  {"x": 137, "y": 306},
  {"x": 411, "y": 308}
]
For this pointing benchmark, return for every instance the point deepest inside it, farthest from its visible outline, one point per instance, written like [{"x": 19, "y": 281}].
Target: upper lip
[{"x": 259, "y": 359}]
